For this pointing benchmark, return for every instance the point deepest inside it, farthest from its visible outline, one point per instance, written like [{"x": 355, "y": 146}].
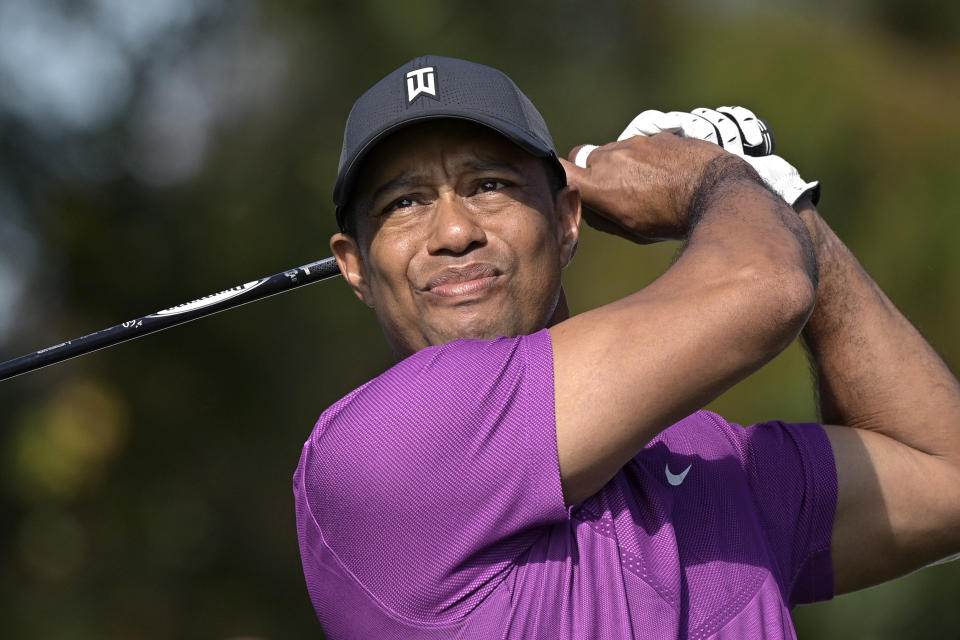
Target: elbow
[
  {"x": 790, "y": 276},
  {"x": 798, "y": 295},
  {"x": 785, "y": 298}
]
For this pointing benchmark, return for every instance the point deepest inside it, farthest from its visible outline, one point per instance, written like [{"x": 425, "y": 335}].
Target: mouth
[{"x": 463, "y": 282}]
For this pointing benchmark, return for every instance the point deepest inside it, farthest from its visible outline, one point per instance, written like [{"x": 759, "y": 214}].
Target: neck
[{"x": 561, "y": 312}]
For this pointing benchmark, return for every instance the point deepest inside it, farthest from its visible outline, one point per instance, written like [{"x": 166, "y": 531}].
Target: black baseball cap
[{"x": 433, "y": 87}]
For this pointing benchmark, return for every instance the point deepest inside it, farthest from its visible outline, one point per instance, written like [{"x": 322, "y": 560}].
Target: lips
[{"x": 462, "y": 281}]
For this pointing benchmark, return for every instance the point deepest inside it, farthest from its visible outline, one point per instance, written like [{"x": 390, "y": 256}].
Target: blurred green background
[{"x": 153, "y": 152}]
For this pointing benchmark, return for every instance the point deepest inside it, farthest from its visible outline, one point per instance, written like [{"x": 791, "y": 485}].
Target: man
[{"x": 521, "y": 473}]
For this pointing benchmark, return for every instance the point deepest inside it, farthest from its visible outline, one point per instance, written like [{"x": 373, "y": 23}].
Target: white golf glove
[
  {"x": 739, "y": 126},
  {"x": 737, "y": 130}
]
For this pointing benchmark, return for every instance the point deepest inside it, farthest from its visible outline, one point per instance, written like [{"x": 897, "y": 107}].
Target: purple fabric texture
[{"x": 429, "y": 506}]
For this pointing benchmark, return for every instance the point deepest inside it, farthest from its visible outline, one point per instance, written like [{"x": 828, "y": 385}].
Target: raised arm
[
  {"x": 898, "y": 456},
  {"x": 738, "y": 294}
]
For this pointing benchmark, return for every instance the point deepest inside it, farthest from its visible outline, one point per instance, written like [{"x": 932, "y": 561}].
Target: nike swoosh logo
[{"x": 676, "y": 479}]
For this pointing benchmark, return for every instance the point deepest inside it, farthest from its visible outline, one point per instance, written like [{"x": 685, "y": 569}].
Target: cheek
[
  {"x": 389, "y": 259},
  {"x": 537, "y": 254},
  {"x": 536, "y": 240}
]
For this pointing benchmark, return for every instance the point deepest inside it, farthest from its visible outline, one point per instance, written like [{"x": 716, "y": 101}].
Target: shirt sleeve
[
  {"x": 429, "y": 481},
  {"x": 793, "y": 478}
]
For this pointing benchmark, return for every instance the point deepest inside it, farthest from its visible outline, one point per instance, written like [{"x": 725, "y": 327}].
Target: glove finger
[
  {"x": 727, "y": 129},
  {"x": 649, "y": 123},
  {"x": 694, "y": 126},
  {"x": 748, "y": 123},
  {"x": 580, "y": 158},
  {"x": 757, "y": 136}
]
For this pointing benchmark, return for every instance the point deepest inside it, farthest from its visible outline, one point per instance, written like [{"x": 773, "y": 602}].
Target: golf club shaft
[{"x": 166, "y": 318}]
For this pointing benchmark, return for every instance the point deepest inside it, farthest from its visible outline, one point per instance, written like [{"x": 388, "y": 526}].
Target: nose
[{"x": 454, "y": 229}]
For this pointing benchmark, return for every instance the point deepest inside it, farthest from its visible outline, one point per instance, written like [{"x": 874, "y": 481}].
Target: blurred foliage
[{"x": 145, "y": 491}]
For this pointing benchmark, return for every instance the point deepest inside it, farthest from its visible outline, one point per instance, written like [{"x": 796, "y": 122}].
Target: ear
[
  {"x": 350, "y": 259},
  {"x": 568, "y": 212}
]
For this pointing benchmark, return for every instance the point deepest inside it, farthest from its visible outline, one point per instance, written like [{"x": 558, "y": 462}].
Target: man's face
[{"x": 459, "y": 235}]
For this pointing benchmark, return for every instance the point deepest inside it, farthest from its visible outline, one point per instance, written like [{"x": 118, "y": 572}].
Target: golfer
[{"x": 521, "y": 473}]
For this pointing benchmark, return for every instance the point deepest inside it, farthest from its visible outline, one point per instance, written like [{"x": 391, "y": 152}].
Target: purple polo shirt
[{"x": 429, "y": 506}]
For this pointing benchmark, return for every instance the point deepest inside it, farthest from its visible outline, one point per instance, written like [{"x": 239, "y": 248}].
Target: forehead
[{"x": 455, "y": 143}]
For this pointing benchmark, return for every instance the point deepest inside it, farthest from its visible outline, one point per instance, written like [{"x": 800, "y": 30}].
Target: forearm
[
  {"x": 739, "y": 218},
  {"x": 738, "y": 295},
  {"x": 875, "y": 371}
]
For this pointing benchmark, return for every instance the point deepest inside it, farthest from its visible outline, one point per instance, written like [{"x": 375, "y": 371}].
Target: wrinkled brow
[{"x": 411, "y": 179}]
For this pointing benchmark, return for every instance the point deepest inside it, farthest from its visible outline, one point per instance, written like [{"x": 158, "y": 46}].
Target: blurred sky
[{"x": 70, "y": 70}]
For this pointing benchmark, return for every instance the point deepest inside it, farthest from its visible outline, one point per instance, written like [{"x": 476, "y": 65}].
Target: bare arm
[
  {"x": 737, "y": 296},
  {"x": 899, "y": 465}
]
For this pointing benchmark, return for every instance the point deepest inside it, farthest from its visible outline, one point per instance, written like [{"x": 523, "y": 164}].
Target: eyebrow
[
  {"x": 408, "y": 180},
  {"x": 402, "y": 182}
]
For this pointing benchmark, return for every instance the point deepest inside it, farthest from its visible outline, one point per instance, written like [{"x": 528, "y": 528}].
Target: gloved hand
[
  {"x": 739, "y": 126},
  {"x": 737, "y": 130},
  {"x": 642, "y": 188}
]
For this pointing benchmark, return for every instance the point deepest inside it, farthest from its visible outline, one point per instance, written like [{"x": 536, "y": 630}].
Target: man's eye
[
  {"x": 399, "y": 203},
  {"x": 490, "y": 185}
]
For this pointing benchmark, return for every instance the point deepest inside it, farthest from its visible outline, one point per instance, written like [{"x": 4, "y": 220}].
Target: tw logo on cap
[{"x": 421, "y": 82}]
